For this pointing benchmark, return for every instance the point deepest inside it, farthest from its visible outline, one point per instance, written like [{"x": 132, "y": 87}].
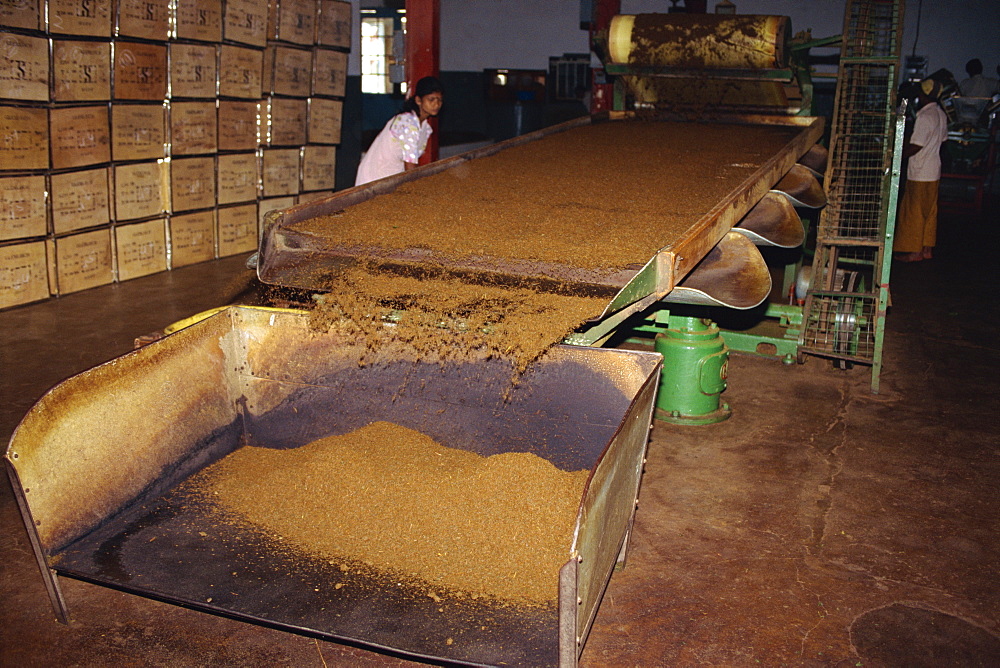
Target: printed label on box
[
  {"x": 292, "y": 71},
  {"x": 24, "y": 275},
  {"x": 20, "y": 14},
  {"x": 324, "y": 121},
  {"x": 80, "y": 200},
  {"x": 79, "y": 136},
  {"x": 329, "y": 73},
  {"x": 240, "y": 71},
  {"x": 237, "y": 125},
  {"x": 25, "y": 135},
  {"x": 292, "y": 20},
  {"x": 333, "y": 24},
  {"x": 245, "y": 21},
  {"x": 83, "y": 261},
  {"x": 81, "y": 70},
  {"x": 22, "y": 207},
  {"x": 192, "y": 70},
  {"x": 192, "y": 127},
  {"x": 237, "y": 177},
  {"x": 139, "y": 190},
  {"x": 199, "y": 19},
  {"x": 137, "y": 131},
  {"x": 24, "y": 69},
  {"x": 237, "y": 229},
  {"x": 192, "y": 238},
  {"x": 142, "y": 249},
  {"x": 73, "y": 17},
  {"x": 143, "y": 18},
  {"x": 192, "y": 183},
  {"x": 280, "y": 171},
  {"x": 319, "y": 167},
  {"x": 288, "y": 121},
  {"x": 140, "y": 71}
]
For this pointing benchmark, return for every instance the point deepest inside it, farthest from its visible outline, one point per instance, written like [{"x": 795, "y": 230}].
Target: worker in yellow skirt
[{"x": 916, "y": 224}]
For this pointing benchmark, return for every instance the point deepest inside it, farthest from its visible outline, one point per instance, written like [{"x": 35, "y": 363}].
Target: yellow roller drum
[{"x": 699, "y": 41}]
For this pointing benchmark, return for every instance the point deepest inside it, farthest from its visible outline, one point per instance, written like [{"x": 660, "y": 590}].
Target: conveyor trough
[
  {"x": 297, "y": 252},
  {"x": 97, "y": 465}
]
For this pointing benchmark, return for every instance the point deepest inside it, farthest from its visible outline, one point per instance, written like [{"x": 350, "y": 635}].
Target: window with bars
[{"x": 376, "y": 54}]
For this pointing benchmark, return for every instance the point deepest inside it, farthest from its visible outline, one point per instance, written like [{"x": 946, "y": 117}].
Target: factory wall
[
  {"x": 949, "y": 34},
  {"x": 522, "y": 34},
  {"x": 480, "y": 34},
  {"x": 515, "y": 34},
  {"x": 952, "y": 33}
]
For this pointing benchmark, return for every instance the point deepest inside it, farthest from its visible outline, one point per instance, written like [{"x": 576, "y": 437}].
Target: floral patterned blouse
[{"x": 403, "y": 139}]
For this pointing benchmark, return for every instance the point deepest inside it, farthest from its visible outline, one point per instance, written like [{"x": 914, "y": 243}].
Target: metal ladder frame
[{"x": 844, "y": 317}]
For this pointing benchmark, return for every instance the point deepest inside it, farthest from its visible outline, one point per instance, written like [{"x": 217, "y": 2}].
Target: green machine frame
[{"x": 842, "y": 315}]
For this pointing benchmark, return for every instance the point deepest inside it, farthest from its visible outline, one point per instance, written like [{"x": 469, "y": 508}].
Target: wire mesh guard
[
  {"x": 872, "y": 29},
  {"x": 841, "y": 325},
  {"x": 855, "y": 182},
  {"x": 843, "y": 318},
  {"x": 841, "y": 314}
]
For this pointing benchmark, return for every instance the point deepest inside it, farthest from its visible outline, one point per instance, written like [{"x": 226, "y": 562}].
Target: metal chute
[
  {"x": 733, "y": 274},
  {"x": 773, "y": 222}
]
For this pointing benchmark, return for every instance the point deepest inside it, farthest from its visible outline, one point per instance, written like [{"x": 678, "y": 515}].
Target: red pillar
[
  {"x": 602, "y": 95},
  {"x": 423, "y": 54}
]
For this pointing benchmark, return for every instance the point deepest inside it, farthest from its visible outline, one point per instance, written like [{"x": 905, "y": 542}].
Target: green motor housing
[{"x": 695, "y": 365}]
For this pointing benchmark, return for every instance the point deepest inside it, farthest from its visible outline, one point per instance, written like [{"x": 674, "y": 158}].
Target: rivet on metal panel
[
  {"x": 13, "y": 455},
  {"x": 579, "y": 601},
  {"x": 38, "y": 523}
]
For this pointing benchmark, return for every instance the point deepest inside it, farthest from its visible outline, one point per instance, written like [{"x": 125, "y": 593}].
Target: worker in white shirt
[
  {"x": 977, "y": 85},
  {"x": 916, "y": 224}
]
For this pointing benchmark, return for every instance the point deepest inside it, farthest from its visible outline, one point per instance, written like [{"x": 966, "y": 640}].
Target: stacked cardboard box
[{"x": 144, "y": 135}]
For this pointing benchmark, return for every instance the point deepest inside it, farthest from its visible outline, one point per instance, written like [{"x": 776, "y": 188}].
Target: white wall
[
  {"x": 522, "y": 34},
  {"x": 516, "y": 34},
  {"x": 480, "y": 34},
  {"x": 354, "y": 58}
]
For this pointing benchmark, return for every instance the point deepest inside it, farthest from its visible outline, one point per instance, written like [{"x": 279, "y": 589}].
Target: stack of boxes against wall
[{"x": 145, "y": 135}]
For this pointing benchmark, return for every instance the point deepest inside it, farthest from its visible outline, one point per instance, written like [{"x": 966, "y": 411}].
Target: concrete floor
[{"x": 820, "y": 526}]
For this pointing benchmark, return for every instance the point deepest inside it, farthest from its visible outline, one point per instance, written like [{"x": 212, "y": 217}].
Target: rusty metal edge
[
  {"x": 568, "y": 607},
  {"x": 49, "y": 576}
]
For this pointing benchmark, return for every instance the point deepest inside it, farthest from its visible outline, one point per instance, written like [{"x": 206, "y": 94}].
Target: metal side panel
[
  {"x": 607, "y": 509},
  {"x": 125, "y": 430}
]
